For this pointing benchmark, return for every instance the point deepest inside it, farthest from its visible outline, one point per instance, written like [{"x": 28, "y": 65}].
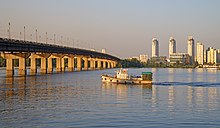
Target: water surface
[{"x": 177, "y": 98}]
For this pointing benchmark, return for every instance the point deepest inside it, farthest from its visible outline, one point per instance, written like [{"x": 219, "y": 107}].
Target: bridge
[{"x": 63, "y": 57}]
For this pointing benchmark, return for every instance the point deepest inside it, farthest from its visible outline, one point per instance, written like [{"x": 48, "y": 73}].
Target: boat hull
[{"x": 111, "y": 79}]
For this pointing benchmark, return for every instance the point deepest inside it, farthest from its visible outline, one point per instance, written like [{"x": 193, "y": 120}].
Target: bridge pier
[
  {"x": 33, "y": 68},
  {"x": 58, "y": 64},
  {"x": 112, "y": 64},
  {"x": 92, "y": 64},
  {"x": 85, "y": 63},
  {"x": 79, "y": 63},
  {"x": 99, "y": 64},
  {"x": 50, "y": 65},
  {"x": 109, "y": 64},
  {"x": 104, "y": 64},
  {"x": 63, "y": 64},
  {"x": 9, "y": 67},
  {"x": 43, "y": 66},
  {"x": 22, "y": 67},
  {"x": 115, "y": 63},
  {"x": 70, "y": 64}
]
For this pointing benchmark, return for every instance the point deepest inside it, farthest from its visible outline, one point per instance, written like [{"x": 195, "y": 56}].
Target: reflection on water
[
  {"x": 171, "y": 98},
  {"x": 213, "y": 96},
  {"x": 80, "y": 99},
  {"x": 122, "y": 91},
  {"x": 190, "y": 70},
  {"x": 154, "y": 70}
]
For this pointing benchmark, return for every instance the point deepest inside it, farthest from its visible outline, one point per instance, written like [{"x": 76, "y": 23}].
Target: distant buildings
[
  {"x": 155, "y": 47},
  {"x": 200, "y": 53},
  {"x": 144, "y": 58},
  {"x": 141, "y": 58},
  {"x": 211, "y": 55},
  {"x": 135, "y": 57},
  {"x": 191, "y": 49},
  {"x": 158, "y": 60},
  {"x": 218, "y": 56},
  {"x": 172, "y": 46},
  {"x": 180, "y": 58}
]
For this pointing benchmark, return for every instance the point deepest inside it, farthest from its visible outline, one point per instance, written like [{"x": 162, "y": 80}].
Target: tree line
[
  {"x": 134, "y": 63},
  {"x": 131, "y": 63}
]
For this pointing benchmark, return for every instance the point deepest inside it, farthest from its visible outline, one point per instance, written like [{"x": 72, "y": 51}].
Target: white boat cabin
[{"x": 122, "y": 74}]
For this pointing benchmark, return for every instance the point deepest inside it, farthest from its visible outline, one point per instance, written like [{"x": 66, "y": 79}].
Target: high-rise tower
[
  {"x": 172, "y": 46},
  {"x": 155, "y": 48},
  {"x": 200, "y": 53},
  {"x": 191, "y": 49},
  {"x": 211, "y": 55}
]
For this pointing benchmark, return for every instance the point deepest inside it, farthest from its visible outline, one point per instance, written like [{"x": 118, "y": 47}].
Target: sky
[{"x": 124, "y": 28}]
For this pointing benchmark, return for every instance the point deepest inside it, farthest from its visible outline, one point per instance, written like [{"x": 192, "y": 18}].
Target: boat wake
[{"x": 203, "y": 84}]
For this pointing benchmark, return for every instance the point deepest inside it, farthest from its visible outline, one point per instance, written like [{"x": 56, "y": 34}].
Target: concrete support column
[
  {"x": 49, "y": 65},
  {"x": 63, "y": 64},
  {"x": 99, "y": 64},
  {"x": 115, "y": 63},
  {"x": 70, "y": 64},
  {"x": 22, "y": 67},
  {"x": 112, "y": 65},
  {"x": 92, "y": 64},
  {"x": 104, "y": 64},
  {"x": 33, "y": 68},
  {"x": 109, "y": 64},
  {"x": 43, "y": 66},
  {"x": 79, "y": 63},
  {"x": 58, "y": 64},
  {"x": 9, "y": 67},
  {"x": 85, "y": 63}
]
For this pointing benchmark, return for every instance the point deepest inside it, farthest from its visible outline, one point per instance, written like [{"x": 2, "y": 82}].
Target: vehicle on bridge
[{"x": 122, "y": 77}]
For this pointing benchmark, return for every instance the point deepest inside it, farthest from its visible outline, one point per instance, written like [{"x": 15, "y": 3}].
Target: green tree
[{"x": 130, "y": 63}]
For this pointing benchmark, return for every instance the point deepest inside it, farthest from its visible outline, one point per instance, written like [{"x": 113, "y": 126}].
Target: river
[{"x": 177, "y": 98}]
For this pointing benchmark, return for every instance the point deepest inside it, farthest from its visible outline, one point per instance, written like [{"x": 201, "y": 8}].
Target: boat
[{"x": 122, "y": 77}]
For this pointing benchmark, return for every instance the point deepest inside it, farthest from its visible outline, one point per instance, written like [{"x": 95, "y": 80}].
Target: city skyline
[
  {"x": 123, "y": 28},
  {"x": 196, "y": 53}
]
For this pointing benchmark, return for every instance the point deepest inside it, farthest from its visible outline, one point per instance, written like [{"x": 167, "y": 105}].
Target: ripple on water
[{"x": 79, "y": 99}]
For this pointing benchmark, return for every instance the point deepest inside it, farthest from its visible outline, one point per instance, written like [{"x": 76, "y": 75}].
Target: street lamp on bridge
[
  {"x": 39, "y": 38},
  {"x": 9, "y": 30},
  {"x": 36, "y": 35},
  {"x": 46, "y": 37},
  {"x": 61, "y": 40},
  {"x": 54, "y": 38},
  {"x": 20, "y": 35},
  {"x": 31, "y": 37},
  {"x": 67, "y": 41},
  {"x": 73, "y": 43},
  {"x": 24, "y": 33}
]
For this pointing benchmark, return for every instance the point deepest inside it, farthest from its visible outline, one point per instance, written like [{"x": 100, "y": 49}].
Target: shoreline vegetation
[{"x": 134, "y": 63}]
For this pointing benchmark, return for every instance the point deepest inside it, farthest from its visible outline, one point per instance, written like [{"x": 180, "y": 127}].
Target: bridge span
[{"x": 64, "y": 58}]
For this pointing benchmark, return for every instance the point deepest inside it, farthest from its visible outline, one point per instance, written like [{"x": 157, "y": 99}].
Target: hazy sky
[{"x": 124, "y": 27}]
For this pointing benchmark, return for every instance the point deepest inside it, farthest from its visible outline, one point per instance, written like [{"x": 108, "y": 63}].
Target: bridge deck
[{"x": 11, "y": 45}]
